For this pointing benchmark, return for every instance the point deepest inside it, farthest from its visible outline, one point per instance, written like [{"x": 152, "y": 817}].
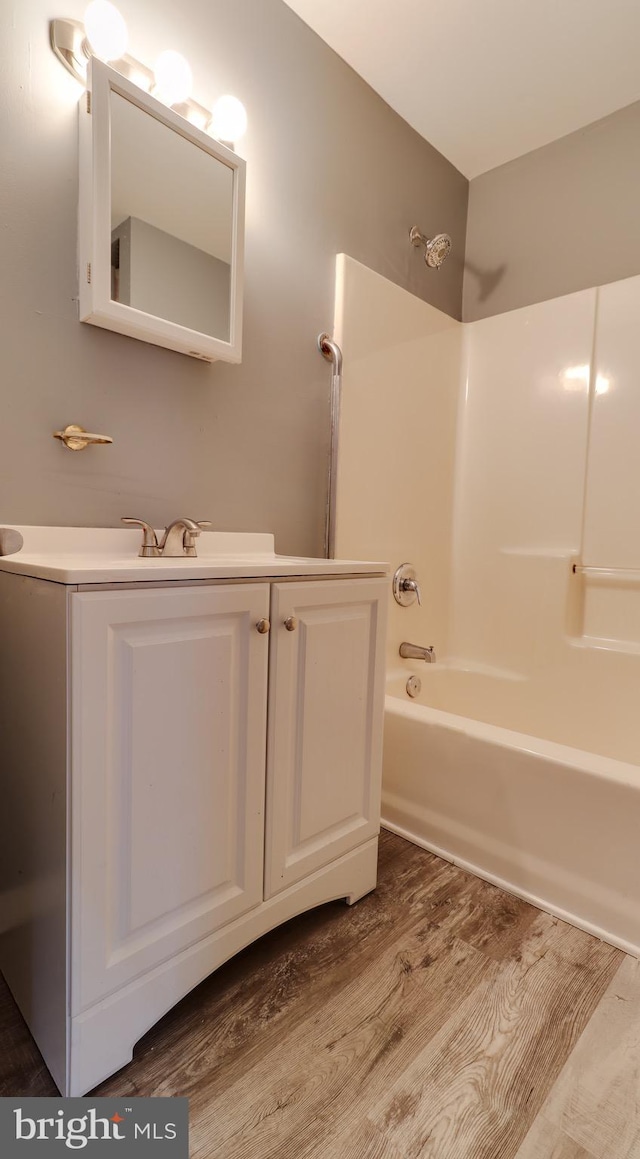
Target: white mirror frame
[{"x": 96, "y": 304}]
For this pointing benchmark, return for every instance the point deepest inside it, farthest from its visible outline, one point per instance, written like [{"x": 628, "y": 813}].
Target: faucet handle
[
  {"x": 411, "y": 585},
  {"x": 149, "y": 548},
  {"x": 190, "y": 536},
  {"x": 405, "y": 585}
]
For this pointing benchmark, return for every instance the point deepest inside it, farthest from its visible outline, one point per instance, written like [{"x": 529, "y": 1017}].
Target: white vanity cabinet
[
  {"x": 169, "y": 693},
  {"x": 210, "y": 768},
  {"x": 324, "y": 740}
]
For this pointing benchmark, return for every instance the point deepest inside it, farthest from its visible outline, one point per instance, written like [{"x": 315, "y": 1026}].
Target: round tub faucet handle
[
  {"x": 411, "y": 585},
  {"x": 406, "y": 588}
]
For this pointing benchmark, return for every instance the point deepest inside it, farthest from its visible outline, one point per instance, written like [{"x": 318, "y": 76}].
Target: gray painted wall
[
  {"x": 559, "y": 219},
  {"x": 169, "y": 278},
  {"x": 330, "y": 168}
]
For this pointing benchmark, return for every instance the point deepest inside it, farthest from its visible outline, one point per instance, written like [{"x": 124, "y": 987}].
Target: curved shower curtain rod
[{"x": 333, "y": 354}]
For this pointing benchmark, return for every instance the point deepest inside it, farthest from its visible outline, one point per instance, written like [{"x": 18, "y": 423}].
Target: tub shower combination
[{"x": 500, "y": 457}]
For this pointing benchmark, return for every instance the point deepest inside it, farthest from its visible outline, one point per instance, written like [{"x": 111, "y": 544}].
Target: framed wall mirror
[{"x": 161, "y": 226}]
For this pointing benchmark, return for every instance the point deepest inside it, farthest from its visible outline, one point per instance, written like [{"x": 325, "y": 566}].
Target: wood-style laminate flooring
[{"x": 437, "y": 1018}]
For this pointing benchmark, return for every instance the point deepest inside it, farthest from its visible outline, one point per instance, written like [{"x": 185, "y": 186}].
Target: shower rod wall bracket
[
  {"x": 331, "y": 351},
  {"x": 333, "y": 354}
]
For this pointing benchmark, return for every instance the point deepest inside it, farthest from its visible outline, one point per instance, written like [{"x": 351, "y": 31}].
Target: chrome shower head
[{"x": 436, "y": 248}]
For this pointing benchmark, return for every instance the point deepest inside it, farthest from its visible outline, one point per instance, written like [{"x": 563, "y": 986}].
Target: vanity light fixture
[
  {"x": 106, "y": 31},
  {"x": 104, "y": 34},
  {"x": 229, "y": 119},
  {"x": 173, "y": 78}
]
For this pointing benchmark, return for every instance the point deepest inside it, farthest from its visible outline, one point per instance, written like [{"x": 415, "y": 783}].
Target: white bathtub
[{"x": 558, "y": 826}]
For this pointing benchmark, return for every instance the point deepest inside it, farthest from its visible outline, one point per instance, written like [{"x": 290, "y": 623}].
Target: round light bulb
[
  {"x": 105, "y": 30},
  {"x": 173, "y": 77},
  {"x": 228, "y": 119}
]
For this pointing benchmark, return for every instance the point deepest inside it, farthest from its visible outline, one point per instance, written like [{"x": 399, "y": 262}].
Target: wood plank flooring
[{"x": 439, "y": 1018}]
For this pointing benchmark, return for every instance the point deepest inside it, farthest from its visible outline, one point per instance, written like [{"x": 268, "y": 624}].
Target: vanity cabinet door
[
  {"x": 169, "y": 692},
  {"x": 326, "y": 701}
]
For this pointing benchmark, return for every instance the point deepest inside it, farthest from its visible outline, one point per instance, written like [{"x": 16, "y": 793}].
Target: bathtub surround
[
  {"x": 494, "y": 456},
  {"x": 547, "y": 476},
  {"x": 397, "y": 439},
  {"x": 329, "y": 167},
  {"x": 494, "y": 472},
  {"x": 559, "y": 219}
]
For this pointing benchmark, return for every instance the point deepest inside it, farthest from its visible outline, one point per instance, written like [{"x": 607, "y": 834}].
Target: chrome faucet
[
  {"x": 179, "y": 538},
  {"x": 149, "y": 548},
  {"x": 417, "y": 652}
]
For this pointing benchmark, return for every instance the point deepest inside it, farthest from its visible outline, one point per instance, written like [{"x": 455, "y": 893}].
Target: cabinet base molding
[{"x": 102, "y": 1038}]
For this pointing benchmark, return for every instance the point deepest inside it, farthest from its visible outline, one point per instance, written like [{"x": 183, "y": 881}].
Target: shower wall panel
[
  {"x": 612, "y": 518},
  {"x": 520, "y": 473},
  {"x": 397, "y": 440}
]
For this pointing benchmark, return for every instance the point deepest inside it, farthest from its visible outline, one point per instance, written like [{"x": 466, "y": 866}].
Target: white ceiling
[{"x": 488, "y": 80}]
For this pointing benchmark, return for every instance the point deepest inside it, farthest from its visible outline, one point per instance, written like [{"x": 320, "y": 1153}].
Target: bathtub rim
[{"x": 593, "y": 764}]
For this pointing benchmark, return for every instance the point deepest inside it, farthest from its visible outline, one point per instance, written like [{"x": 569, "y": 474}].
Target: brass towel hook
[{"x": 76, "y": 438}]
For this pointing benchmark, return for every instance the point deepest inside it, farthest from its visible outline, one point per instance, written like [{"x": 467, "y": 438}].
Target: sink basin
[{"x": 92, "y": 555}]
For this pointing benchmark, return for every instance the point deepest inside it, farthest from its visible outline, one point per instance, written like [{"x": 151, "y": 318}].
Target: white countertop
[{"x": 99, "y": 555}]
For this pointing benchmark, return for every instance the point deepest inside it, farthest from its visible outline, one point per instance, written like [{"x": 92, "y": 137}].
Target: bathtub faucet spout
[{"x": 417, "y": 652}]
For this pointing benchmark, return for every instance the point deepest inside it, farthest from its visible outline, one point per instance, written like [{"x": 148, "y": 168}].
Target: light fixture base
[{"x": 67, "y": 42}]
